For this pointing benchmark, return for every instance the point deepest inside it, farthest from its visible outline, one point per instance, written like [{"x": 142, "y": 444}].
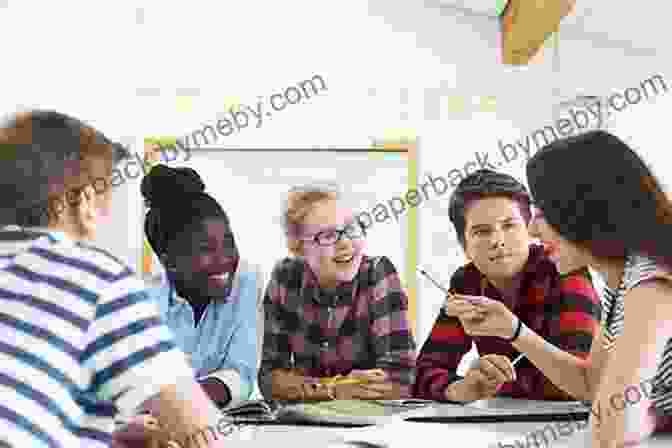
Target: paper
[{"x": 505, "y": 405}]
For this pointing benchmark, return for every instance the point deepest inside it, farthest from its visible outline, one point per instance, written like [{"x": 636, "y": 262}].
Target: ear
[
  {"x": 165, "y": 261},
  {"x": 295, "y": 247},
  {"x": 86, "y": 212}
]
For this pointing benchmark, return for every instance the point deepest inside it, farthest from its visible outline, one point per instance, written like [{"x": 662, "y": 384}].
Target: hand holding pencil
[{"x": 370, "y": 384}]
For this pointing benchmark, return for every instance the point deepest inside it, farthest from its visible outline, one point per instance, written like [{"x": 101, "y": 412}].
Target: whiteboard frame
[{"x": 407, "y": 147}]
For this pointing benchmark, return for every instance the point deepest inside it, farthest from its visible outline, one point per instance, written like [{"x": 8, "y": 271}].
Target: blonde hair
[{"x": 300, "y": 201}]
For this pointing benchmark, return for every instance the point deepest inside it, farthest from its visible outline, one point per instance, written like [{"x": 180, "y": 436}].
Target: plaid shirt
[
  {"x": 361, "y": 325},
  {"x": 564, "y": 310}
]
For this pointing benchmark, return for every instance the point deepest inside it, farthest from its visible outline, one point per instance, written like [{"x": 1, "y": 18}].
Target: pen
[
  {"x": 437, "y": 284},
  {"x": 451, "y": 295}
]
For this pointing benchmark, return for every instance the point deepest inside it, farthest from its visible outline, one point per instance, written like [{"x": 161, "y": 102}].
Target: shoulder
[
  {"x": 380, "y": 265},
  {"x": 250, "y": 272},
  {"x": 644, "y": 278},
  {"x": 641, "y": 270},
  {"x": 288, "y": 271},
  {"x": 286, "y": 279},
  {"x": 89, "y": 269},
  {"x": 379, "y": 275},
  {"x": 93, "y": 257},
  {"x": 539, "y": 266},
  {"x": 579, "y": 283}
]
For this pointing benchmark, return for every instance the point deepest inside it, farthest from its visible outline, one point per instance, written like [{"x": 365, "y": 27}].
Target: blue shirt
[{"x": 225, "y": 343}]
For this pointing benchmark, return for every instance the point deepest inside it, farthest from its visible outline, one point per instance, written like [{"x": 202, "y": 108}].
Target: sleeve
[
  {"x": 130, "y": 353},
  {"x": 275, "y": 352},
  {"x": 442, "y": 352},
  {"x": 575, "y": 315},
  {"x": 393, "y": 342},
  {"x": 574, "y": 323},
  {"x": 239, "y": 368}
]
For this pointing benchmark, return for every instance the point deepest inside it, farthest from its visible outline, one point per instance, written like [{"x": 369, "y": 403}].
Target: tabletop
[{"x": 400, "y": 434}]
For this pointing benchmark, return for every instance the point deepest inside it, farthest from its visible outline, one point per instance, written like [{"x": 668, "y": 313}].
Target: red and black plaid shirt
[
  {"x": 362, "y": 325},
  {"x": 564, "y": 310}
]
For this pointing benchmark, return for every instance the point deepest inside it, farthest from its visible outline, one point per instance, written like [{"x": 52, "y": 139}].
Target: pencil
[{"x": 437, "y": 284}]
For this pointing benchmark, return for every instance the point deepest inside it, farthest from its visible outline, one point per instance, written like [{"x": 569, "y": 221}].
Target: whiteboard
[{"x": 251, "y": 185}]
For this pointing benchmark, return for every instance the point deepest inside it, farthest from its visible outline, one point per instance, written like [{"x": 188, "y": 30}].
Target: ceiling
[{"x": 635, "y": 26}]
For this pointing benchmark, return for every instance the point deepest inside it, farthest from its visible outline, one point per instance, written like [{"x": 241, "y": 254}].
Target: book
[{"x": 336, "y": 412}]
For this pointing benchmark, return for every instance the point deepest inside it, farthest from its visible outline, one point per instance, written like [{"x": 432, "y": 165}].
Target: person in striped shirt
[
  {"x": 617, "y": 219},
  {"x": 490, "y": 212},
  {"x": 80, "y": 340},
  {"x": 208, "y": 295},
  {"x": 333, "y": 315}
]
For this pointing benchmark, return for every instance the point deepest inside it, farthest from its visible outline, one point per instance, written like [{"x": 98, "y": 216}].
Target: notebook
[
  {"x": 504, "y": 409},
  {"x": 329, "y": 413}
]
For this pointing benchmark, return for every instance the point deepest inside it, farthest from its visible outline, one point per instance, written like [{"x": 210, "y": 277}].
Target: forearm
[
  {"x": 568, "y": 372},
  {"x": 185, "y": 411},
  {"x": 293, "y": 385},
  {"x": 433, "y": 382}
]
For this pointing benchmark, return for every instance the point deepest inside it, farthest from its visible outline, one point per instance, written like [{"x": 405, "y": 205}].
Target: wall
[{"x": 160, "y": 68}]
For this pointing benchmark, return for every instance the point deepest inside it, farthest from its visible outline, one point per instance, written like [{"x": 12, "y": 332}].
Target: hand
[
  {"x": 369, "y": 391},
  {"x": 371, "y": 375},
  {"x": 375, "y": 385},
  {"x": 488, "y": 317},
  {"x": 142, "y": 431},
  {"x": 462, "y": 307},
  {"x": 485, "y": 376}
]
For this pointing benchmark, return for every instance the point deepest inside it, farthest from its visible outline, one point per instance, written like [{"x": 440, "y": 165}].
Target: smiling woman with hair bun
[{"x": 208, "y": 296}]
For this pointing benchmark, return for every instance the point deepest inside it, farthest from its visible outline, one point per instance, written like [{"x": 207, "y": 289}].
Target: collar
[
  {"x": 175, "y": 299},
  {"x": 343, "y": 293},
  {"x": 30, "y": 233}
]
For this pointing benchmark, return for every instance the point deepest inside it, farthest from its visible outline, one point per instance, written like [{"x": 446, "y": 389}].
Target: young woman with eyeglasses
[{"x": 336, "y": 324}]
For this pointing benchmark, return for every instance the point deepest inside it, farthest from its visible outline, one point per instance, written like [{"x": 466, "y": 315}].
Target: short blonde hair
[{"x": 299, "y": 203}]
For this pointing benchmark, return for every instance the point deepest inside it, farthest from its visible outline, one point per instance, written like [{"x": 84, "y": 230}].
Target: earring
[{"x": 167, "y": 264}]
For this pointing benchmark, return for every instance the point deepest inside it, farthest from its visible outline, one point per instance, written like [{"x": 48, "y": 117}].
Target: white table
[{"x": 416, "y": 435}]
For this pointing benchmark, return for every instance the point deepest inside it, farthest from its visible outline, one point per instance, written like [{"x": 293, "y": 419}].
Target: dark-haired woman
[
  {"x": 209, "y": 296},
  {"x": 618, "y": 220}
]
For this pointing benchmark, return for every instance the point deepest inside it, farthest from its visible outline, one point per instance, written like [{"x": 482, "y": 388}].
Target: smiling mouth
[
  {"x": 220, "y": 277},
  {"x": 344, "y": 260}
]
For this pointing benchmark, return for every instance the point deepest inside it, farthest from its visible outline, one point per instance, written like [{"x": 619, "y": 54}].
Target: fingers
[
  {"x": 382, "y": 388},
  {"x": 501, "y": 365},
  {"x": 473, "y": 300},
  {"x": 371, "y": 375},
  {"x": 458, "y": 308}
]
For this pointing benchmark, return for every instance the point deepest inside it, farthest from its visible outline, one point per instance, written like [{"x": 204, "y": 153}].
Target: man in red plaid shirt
[{"x": 491, "y": 212}]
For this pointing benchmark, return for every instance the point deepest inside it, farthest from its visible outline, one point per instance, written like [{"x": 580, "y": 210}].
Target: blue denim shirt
[{"x": 225, "y": 344}]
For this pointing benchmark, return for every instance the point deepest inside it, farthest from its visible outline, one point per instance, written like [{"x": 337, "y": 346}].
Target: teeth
[
  {"x": 224, "y": 276},
  {"x": 344, "y": 260}
]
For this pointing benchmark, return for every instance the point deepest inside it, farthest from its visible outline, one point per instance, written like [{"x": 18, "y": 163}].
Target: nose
[
  {"x": 533, "y": 228},
  {"x": 497, "y": 238},
  {"x": 344, "y": 242}
]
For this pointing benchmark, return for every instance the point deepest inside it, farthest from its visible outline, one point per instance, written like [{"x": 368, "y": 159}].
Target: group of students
[{"x": 83, "y": 340}]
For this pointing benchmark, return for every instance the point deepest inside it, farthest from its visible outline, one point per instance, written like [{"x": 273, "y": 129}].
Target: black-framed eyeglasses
[{"x": 332, "y": 236}]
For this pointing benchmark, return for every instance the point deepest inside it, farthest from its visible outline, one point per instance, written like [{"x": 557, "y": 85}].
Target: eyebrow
[{"x": 485, "y": 226}]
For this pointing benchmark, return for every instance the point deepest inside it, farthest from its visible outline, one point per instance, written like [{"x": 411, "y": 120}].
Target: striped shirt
[
  {"x": 80, "y": 341},
  {"x": 564, "y": 310},
  {"x": 361, "y": 325},
  {"x": 638, "y": 269}
]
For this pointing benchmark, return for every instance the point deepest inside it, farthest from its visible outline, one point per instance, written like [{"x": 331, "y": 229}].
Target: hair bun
[{"x": 165, "y": 185}]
